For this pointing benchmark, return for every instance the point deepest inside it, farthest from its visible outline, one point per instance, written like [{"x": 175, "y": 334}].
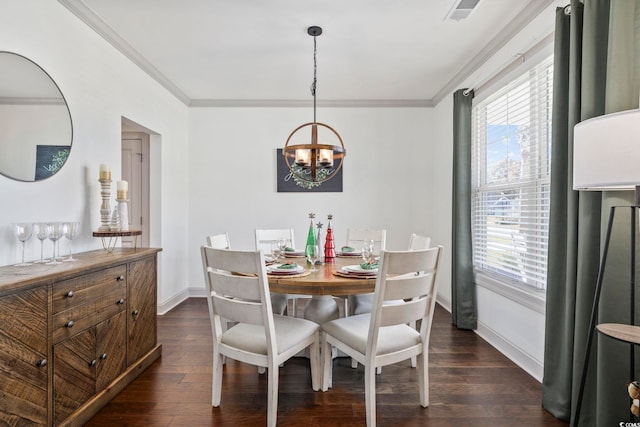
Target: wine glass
[
  {"x": 313, "y": 256},
  {"x": 276, "y": 250},
  {"x": 368, "y": 252},
  {"x": 42, "y": 233},
  {"x": 70, "y": 232},
  {"x": 56, "y": 231},
  {"x": 22, "y": 231}
]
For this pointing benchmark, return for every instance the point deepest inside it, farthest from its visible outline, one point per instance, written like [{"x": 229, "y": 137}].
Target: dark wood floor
[{"x": 472, "y": 384}]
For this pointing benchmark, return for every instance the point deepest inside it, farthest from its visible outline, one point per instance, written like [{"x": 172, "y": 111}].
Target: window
[{"x": 511, "y": 150}]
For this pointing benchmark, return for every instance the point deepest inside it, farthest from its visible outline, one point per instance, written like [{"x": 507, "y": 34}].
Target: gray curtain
[
  {"x": 463, "y": 292},
  {"x": 590, "y": 61}
]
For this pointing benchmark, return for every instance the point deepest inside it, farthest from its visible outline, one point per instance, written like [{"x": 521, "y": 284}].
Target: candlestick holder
[
  {"x": 105, "y": 208},
  {"x": 123, "y": 211}
]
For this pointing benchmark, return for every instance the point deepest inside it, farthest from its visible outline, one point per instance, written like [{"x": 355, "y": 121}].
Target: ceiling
[{"x": 214, "y": 52}]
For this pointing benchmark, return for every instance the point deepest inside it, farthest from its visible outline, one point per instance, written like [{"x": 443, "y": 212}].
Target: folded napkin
[
  {"x": 287, "y": 266},
  {"x": 369, "y": 266},
  {"x": 289, "y": 249},
  {"x": 347, "y": 249}
]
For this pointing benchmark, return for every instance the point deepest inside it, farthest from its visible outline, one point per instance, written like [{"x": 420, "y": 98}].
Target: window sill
[{"x": 528, "y": 297}]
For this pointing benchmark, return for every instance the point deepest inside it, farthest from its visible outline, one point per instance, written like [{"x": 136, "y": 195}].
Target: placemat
[
  {"x": 352, "y": 276},
  {"x": 289, "y": 276}
]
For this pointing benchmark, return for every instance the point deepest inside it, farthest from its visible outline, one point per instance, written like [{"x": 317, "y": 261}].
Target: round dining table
[{"x": 323, "y": 285}]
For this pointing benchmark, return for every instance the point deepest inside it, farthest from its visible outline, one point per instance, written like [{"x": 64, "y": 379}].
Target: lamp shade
[{"x": 606, "y": 152}]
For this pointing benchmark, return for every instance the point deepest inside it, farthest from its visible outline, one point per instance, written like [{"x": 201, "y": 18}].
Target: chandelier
[{"x": 311, "y": 157}]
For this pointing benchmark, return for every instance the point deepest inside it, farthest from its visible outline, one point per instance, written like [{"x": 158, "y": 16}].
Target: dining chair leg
[
  {"x": 327, "y": 362},
  {"x": 216, "y": 380},
  {"x": 272, "y": 396},
  {"x": 314, "y": 361},
  {"x": 370, "y": 394},
  {"x": 423, "y": 378}
]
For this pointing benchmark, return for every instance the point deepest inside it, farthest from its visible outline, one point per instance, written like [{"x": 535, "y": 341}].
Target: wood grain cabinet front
[
  {"x": 74, "y": 336},
  {"x": 86, "y": 363},
  {"x": 141, "y": 326},
  {"x": 24, "y": 364}
]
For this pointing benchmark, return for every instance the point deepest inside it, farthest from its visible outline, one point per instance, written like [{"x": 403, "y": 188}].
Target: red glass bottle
[{"x": 329, "y": 247}]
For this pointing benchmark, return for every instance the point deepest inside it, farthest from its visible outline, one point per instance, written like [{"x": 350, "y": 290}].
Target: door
[{"x": 135, "y": 170}]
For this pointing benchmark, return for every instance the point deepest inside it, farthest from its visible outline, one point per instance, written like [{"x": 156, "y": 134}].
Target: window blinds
[{"x": 511, "y": 147}]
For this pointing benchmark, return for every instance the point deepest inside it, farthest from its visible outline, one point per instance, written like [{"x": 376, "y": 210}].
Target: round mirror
[{"x": 35, "y": 122}]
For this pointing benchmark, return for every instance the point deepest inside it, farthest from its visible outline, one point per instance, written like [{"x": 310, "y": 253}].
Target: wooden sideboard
[{"x": 72, "y": 336}]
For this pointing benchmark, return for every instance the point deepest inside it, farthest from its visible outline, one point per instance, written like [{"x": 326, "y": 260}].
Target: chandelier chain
[{"x": 315, "y": 78}]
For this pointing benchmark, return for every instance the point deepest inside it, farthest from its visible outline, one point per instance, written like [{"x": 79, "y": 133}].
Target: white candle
[
  {"x": 326, "y": 157},
  {"x": 122, "y": 190},
  {"x": 303, "y": 157},
  {"x": 105, "y": 172}
]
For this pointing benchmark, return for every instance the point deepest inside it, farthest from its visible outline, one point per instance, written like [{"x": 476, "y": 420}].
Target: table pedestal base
[{"x": 321, "y": 309}]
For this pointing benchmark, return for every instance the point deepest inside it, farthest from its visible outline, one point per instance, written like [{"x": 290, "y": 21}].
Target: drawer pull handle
[
  {"x": 41, "y": 363},
  {"x": 135, "y": 312},
  {"x": 103, "y": 356},
  {"x": 69, "y": 324},
  {"x": 120, "y": 301},
  {"x": 93, "y": 363},
  {"x": 68, "y": 294},
  {"x": 120, "y": 278}
]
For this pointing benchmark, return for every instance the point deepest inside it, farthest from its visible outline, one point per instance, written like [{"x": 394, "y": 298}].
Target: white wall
[
  {"x": 100, "y": 85},
  {"x": 232, "y": 175}
]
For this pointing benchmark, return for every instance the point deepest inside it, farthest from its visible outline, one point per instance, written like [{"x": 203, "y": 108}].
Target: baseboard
[
  {"x": 518, "y": 356},
  {"x": 166, "y": 306},
  {"x": 444, "y": 302},
  {"x": 197, "y": 293}
]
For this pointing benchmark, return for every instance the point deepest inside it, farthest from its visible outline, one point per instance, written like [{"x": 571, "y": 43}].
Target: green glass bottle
[{"x": 311, "y": 236}]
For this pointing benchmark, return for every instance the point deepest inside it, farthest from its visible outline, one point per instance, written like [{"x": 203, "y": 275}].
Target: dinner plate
[
  {"x": 293, "y": 254},
  {"x": 357, "y": 268},
  {"x": 349, "y": 254},
  {"x": 276, "y": 269}
]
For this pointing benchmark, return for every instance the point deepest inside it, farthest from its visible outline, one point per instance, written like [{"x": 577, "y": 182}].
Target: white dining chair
[
  {"x": 361, "y": 303},
  {"x": 384, "y": 337},
  {"x": 365, "y": 301},
  {"x": 219, "y": 241},
  {"x": 265, "y": 238},
  {"x": 237, "y": 289},
  {"x": 416, "y": 241}
]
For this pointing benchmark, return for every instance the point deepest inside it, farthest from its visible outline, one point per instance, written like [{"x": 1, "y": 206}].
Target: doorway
[{"x": 135, "y": 170}]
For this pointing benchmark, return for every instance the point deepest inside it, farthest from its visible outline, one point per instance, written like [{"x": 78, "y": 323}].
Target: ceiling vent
[{"x": 461, "y": 9}]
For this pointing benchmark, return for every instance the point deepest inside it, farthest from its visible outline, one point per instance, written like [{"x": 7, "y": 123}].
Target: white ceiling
[{"x": 216, "y": 51}]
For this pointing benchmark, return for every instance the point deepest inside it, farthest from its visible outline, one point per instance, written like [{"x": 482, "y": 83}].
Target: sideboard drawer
[
  {"x": 97, "y": 309},
  {"x": 82, "y": 289}
]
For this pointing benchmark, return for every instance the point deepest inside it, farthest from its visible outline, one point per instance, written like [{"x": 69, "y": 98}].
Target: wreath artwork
[
  {"x": 289, "y": 182},
  {"x": 49, "y": 159}
]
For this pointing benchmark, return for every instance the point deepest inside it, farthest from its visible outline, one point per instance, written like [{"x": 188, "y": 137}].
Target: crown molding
[
  {"x": 286, "y": 103},
  {"x": 514, "y": 27},
  {"x": 94, "y": 21}
]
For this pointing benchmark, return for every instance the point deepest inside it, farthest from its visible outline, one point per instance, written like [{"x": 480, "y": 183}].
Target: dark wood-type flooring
[{"x": 472, "y": 384}]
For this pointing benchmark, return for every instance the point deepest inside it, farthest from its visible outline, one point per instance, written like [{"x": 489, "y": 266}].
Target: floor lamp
[{"x": 606, "y": 156}]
